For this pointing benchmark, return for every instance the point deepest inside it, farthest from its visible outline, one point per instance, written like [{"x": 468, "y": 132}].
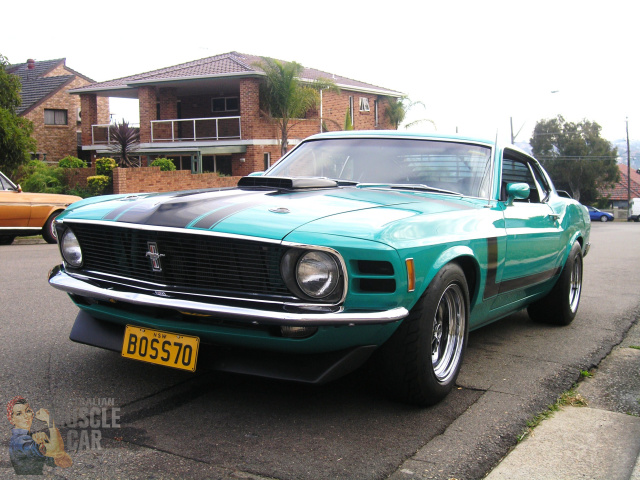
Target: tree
[
  {"x": 397, "y": 109},
  {"x": 126, "y": 140},
  {"x": 15, "y": 131},
  {"x": 284, "y": 97},
  {"x": 576, "y": 156}
]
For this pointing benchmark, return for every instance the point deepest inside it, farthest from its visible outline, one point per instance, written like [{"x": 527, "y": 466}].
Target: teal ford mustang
[{"x": 357, "y": 246}]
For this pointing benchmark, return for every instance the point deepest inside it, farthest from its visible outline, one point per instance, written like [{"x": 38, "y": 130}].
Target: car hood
[
  {"x": 45, "y": 198},
  {"x": 263, "y": 212}
]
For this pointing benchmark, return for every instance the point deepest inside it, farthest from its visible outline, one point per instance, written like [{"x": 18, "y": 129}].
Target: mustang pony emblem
[{"x": 154, "y": 256}]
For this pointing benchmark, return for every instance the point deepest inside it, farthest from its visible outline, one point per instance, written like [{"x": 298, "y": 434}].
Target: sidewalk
[{"x": 597, "y": 442}]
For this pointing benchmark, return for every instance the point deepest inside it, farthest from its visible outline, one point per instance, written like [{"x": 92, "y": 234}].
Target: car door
[
  {"x": 534, "y": 245},
  {"x": 15, "y": 211}
]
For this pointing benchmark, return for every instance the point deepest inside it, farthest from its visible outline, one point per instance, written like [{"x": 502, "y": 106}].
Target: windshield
[{"x": 441, "y": 165}]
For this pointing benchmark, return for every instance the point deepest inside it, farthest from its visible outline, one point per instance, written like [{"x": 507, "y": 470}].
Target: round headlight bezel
[
  {"x": 70, "y": 249},
  {"x": 317, "y": 274}
]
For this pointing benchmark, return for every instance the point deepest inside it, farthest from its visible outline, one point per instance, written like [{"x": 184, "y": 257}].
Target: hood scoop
[{"x": 287, "y": 183}]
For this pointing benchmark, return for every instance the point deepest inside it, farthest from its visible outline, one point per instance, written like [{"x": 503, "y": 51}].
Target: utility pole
[{"x": 628, "y": 170}]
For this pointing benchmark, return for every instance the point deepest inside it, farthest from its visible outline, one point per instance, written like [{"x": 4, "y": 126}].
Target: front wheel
[
  {"x": 560, "y": 306},
  {"x": 49, "y": 229},
  {"x": 421, "y": 361},
  {"x": 604, "y": 218}
]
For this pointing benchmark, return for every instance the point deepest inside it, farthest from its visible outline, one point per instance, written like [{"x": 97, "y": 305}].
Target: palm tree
[
  {"x": 397, "y": 109},
  {"x": 125, "y": 140},
  {"x": 284, "y": 97}
]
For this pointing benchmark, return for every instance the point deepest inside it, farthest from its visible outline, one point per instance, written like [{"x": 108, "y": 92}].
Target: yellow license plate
[{"x": 162, "y": 348}]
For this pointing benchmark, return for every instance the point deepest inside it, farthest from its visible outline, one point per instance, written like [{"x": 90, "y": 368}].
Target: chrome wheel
[
  {"x": 447, "y": 340},
  {"x": 575, "y": 284}
]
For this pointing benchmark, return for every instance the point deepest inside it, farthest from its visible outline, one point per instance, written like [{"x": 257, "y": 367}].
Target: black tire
[
  {"x": 6, "y": 239},
  {"x": 560, "y": 306},
  {"x": 604, "y": 218},
  {"x": 49, "y": 231},
  {"x": 420, "y": 363}
]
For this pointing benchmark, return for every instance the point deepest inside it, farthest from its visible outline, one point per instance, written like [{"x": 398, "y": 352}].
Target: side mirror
[
  {"x": 19, "y": 189},
  {"x": 517, "y": 190}
]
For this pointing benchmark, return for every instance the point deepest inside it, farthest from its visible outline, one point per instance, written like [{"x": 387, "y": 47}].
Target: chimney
[{"x": 31, "y": 64}]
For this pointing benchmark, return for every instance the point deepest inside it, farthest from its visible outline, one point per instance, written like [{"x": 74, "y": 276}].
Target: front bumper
[{"x": 61, "y": 280}]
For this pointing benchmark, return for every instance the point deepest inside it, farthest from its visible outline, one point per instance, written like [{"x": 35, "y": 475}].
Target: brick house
[
  {"x": 205, "y": 114},
  {"x": 55, "y": 113}
]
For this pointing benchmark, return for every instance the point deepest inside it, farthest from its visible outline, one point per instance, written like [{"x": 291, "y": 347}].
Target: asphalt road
[{"x": 151, "y": 422}]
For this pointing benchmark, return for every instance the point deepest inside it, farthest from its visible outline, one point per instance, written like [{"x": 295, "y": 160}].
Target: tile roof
[
  {"x": 35, "y": 86},
  {"x": 232, "y": 63},
  {"x": 619, "y": 191}
]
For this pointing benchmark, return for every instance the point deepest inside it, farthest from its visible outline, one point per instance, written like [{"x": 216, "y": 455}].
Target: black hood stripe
[
  {"x": 181, "y": 212},
  {"x": 213, "y": 218}
]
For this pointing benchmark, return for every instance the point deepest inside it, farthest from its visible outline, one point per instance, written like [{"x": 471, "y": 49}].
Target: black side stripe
[{"x": 493, "y": 288}]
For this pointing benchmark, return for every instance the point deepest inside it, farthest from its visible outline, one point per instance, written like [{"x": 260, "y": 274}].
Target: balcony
[
  {"x": 180, "y": 130},
  {"x": 196, "y": 129}
]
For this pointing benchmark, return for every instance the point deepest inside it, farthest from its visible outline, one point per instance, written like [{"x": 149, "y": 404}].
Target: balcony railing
[
  {"x": 195, "y": 129},
  {"x": 100, "y": 134}
]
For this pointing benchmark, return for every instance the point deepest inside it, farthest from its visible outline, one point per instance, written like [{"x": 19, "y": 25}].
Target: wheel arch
[{"x": 464, "y": 257}]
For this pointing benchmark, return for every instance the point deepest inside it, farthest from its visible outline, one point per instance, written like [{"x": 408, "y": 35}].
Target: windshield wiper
[{"x": 408, "y": 186}]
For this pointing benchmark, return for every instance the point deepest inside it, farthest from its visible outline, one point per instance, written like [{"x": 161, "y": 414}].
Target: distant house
[
  {"x": 619, "y": 194},
  {"x": 54, "y": 112},
  {"x": 206, "y": 116}
]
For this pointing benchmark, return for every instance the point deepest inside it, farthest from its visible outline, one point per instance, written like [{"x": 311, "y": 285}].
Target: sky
[{"x": 476, "y": 66}]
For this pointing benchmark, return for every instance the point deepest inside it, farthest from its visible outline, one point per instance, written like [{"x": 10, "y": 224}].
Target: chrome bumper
[{"x": 59, "y": 279}]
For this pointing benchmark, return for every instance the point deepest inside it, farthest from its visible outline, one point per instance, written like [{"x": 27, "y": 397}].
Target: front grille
[{"x": 190, "y": 262}]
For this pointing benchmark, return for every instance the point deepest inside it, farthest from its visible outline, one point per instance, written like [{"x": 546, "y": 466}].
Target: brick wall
[
  {"x": 151, "y": 179},
  {"x": 77, "y": 177}
]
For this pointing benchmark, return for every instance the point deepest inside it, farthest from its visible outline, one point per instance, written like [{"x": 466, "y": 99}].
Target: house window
[
  {"x": 225, "y": 104},
  {"x": 364, "y": 104},
  {"x": 267, "y": 160},
  {"x": 55, "y": 117}
]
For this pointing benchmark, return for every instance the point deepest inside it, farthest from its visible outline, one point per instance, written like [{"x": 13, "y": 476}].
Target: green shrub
[
  {"x": 37, "y": 176},
  {"x": 165, "y": 164},
  {"x": 79, "y": 191},
  {"x": 105, "y": 166},
  {"x": 98, "y": 184},
  {"x": 71, "y": 162}
]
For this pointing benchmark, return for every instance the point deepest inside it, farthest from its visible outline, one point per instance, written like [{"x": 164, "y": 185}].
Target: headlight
[
  {"x": 317, "y": 274},
  {"x": 70, "y": 248}
]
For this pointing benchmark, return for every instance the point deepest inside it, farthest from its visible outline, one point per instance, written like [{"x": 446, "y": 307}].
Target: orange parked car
[{"x": 23, "y": 213}]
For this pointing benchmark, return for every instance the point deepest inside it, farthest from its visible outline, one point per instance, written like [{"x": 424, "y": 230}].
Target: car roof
[{"x": 399, "y": 134}]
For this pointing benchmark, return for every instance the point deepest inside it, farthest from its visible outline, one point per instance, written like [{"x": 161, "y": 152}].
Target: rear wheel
[
  {"x": 421, "y": 361},
  {"x": 6, "y": 239},
  {"x": 49, "y": 229},
  {"x": 560, "y": 306}
]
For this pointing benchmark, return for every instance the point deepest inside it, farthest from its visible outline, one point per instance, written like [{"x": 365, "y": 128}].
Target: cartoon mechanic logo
[{"x": 29, "y": 451}]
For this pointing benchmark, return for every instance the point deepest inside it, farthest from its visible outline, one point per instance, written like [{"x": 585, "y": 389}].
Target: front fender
[{"x": 427, "y": 267}]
